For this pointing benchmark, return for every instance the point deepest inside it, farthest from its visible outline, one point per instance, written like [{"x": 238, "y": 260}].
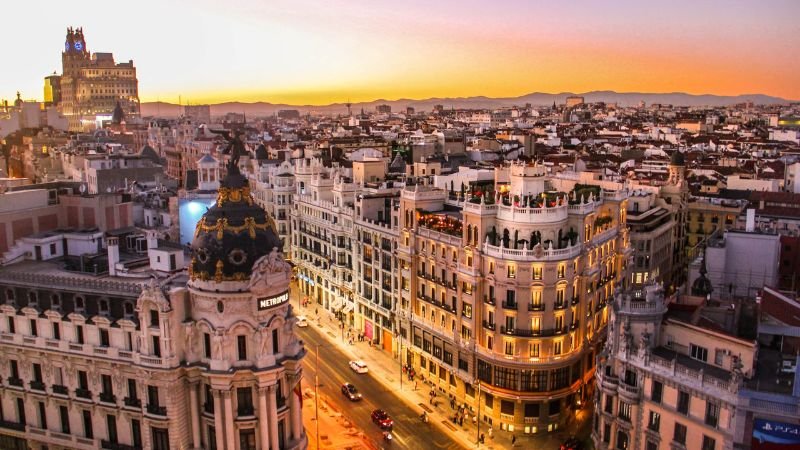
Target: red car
[{"x": 382, "y": 419}]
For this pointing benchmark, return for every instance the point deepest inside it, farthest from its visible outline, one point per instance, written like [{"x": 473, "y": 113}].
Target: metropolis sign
[{"x": 269, "y": 302}]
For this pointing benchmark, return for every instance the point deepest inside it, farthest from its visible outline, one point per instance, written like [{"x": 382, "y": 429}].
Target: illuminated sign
[
  {"x": 269, "y": 302},
  {"x": 768, "y": 434}
]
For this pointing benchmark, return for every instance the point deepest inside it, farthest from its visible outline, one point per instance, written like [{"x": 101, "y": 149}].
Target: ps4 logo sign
[{"x": 269, "y": 302}]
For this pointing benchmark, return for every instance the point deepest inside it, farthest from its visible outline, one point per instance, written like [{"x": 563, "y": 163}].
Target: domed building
[
  {"x": 160, "y": 358},
  {"x": 248, "y": 359}
]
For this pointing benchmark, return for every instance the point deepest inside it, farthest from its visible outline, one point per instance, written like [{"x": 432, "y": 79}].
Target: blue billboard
[{"x": 771, "y": 435}]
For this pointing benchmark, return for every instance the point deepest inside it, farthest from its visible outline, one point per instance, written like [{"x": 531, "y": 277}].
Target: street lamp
[{"x": 478, "y": 444}]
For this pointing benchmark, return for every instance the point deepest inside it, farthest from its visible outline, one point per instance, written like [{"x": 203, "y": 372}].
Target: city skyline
[{"x": 289, "y": 52}]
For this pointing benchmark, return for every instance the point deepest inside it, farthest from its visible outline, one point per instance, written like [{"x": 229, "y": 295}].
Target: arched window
[{"x": 80, "y": 303}]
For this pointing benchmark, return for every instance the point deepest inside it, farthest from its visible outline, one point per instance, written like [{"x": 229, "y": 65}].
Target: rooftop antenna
[{"x": 348, "y": 104}]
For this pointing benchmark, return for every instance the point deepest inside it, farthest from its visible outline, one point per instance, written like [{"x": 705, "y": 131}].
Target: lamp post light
[{"x": 478, "y": 421}]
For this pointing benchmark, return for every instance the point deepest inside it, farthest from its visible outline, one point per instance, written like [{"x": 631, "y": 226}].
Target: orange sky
[{"x": 324, "y": 51}]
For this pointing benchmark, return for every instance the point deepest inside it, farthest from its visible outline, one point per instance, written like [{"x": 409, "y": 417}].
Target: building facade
[
  {"x": 92, "y": 85},
  {"x": 508, "y": 293},
  {"x": 206, "y": 360}
]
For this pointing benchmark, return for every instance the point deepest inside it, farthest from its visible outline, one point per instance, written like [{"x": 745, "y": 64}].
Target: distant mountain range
[{"x": 161, "y": 109}]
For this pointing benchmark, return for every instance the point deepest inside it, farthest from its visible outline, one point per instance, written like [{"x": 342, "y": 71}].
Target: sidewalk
[
  {"x": 336, "y": 432},
  {"x": 387, "y": 370}
]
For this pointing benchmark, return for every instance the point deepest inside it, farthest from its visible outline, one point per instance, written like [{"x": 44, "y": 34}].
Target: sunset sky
[{"x": 325, "y": 51}]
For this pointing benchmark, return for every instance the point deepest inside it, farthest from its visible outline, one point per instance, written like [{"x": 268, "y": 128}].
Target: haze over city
[{"x": 320, "y": 52}]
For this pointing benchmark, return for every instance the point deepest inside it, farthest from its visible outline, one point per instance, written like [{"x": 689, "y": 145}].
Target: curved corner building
[{"x": 507, "y": 290}]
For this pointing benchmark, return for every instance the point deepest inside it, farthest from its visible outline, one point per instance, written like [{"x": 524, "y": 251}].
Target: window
[
  {"x": 104, "y": 341},
  {"x": 207, "y": 345},
  {"x": 136, "y": 433},
  {"x": 654, "y": 422},
  {"x": 37, "y": 372},
  {"x": 212, "y": 438},
  {"x": 83, "y": 380},
  {"x": 42, "y": 416},
  {"x": 656, "y": 391},
  {"x": 56, "y": 330},
  {"x": 132, "y": 393},
  {"x": 88, "y": 432},
  {"x": 679, "y": 435},
  {"x": 247, "y": 439},
  {"x": 34, "y": 328},
  {"x": 625, "y": 411},
  {"x": 274, "y": 341},
  {"x": 509, "y": 348},
  {"x": 557, "y": 348},
  {"x": 708, "y": 443},
  {"x": 157, "y": 346},
  {"x": 683, "y": 403},
  {"x": 111, "y": 426},
  {"x": 64, "y": 416},
  {"x": 244, "y": 401},
  {"x": 537, "y": 272},
  {"x": 534, "y": 350},
  {"x": 562, "y": 270},
  {"x": 152, "y": 395},
  {"x": 241, "y": 346},
  {"x": 609, "y": 404},
  {"x": 699, "y": 353},
  {"x": 466, "y": 310},
  {"x": 79, "y": 334},
  {"x": 160, "y": 438},
  {"x": 512, "y": 271},
  {"x": 622, "y": 440},
  {"x": 11, "y": 325},
  {"x": 712, "y": 414},
  {"x": 153, "y": 318}
]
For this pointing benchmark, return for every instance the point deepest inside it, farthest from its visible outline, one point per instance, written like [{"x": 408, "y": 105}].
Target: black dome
[
  {"x": 232, "y": 235},
  {"x": 677, "y": 159},
  {"x": 261, "y": 152}
]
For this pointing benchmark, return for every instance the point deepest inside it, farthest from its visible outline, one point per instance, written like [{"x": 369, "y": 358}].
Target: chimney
[
  {"x": 152, "y": 239},
  {"x": 750, "y": 225},
  {"x": 113, "y": 255}
]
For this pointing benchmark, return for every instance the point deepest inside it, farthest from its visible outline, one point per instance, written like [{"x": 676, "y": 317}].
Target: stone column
[
  {"x": 263, "y": 417},
  {"x": 219, "y": 424},
  {"x": 296, "y": 413},
  {"x": 195, "y": 411},
  {"x": 272, "y": 413},
  {"x": 230, "y": 439}
]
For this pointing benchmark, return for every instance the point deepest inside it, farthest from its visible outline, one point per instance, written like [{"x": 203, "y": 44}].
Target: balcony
[
  {"x": 132, "y": 402},
  {"x": 510, "y": 305},
  {"x": 37, "y": 386},
  {"x": 489, "y": 326},
  {"x": 629, "y": 392},
  {"x": 108, "y": 397},
  {"x": 489, "y": 301},
  {"x": 60, "y": 389},
  {"x": 536, "y": 307},
  {"x": 245, "y": 411},
  {"x": 560, "y": 306},
  {"x": 14, "y": 381},
  {"x": 575, "y": 301},
  {"x": 83, "y": 393},
  {"x": 157, "y": 410},
  {"x": 16, "y": 426}
]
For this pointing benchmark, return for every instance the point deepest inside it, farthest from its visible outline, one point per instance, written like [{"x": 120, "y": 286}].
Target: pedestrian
[
  {"x": 415, "y": 385},
  {"x": 513, "y": 439},
  {"x": 461, "y": 421},
  {"x": 481, "y": 439}
]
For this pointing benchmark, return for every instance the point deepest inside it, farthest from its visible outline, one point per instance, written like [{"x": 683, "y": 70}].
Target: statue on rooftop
[{"x": 235, "y": 147}]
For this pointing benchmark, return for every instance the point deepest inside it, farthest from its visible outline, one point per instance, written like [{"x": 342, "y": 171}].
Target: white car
[
  {"x": 359, "y": 366},
  {"x": 302, "y": 321}
]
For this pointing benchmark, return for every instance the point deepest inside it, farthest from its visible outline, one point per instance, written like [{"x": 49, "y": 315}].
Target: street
[{"x": 408, "y": 432}]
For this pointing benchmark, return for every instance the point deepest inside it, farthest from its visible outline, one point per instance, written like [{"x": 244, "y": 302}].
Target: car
[
  {"x": 382, "y": 419},
  {"x": 302, "y": 321},
  {"x": 350, "y": 391},
  {"x": 572, "y": 444},
  {"x": 359, "y": 366}
]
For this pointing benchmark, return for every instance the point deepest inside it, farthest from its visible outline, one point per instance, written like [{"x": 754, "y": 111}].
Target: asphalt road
[{"x": 408, "y": 433}]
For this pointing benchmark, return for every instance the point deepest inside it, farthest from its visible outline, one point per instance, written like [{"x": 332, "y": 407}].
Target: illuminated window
[
  {"x": 534, "y": 350},
  {"x": 562, "y": 270},
  {"x": 537, "y": 272},
  {"x": 512, "y": 271}
]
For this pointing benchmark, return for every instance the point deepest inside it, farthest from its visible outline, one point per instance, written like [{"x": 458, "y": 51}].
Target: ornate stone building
[
  {"x": 204, "y": 361},
  {"x": 93, "y": 85},
  {"x": 507, "y": 291}
]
